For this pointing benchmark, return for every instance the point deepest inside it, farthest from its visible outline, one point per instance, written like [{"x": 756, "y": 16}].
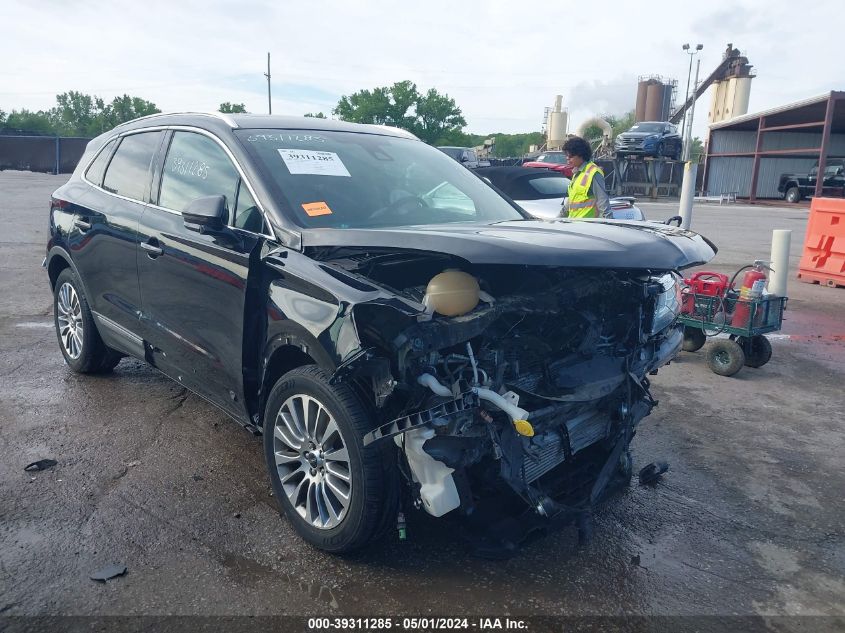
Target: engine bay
[{"x": 520, "y": 380}]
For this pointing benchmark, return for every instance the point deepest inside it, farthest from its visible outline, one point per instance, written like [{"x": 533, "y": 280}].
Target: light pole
[
  {"x": 688, "y": 140},
  {"x": 269, "y": 99},
  {"x": 690, "y": 168},
  {"x": 692, "y": 53}
]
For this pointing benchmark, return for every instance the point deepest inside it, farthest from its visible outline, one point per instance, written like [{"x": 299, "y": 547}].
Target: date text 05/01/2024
[{"x": 412, "y": 623}]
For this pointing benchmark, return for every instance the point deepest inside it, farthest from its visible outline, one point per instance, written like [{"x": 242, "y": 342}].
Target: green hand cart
[{"x": 746, "y": 345}]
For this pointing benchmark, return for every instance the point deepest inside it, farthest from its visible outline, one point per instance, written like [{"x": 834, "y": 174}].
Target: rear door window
[
  {"x": 196, "y": 167},
  {"x": 128, "y": 172},
  {"x": 97, "y": 168}
]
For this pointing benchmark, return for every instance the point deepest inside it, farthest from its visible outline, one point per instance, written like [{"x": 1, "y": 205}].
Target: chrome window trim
[
  {"x": 217, "y": 115},
  {"x": 187, "y": 128},
  {"x": 96, "y": 156}
]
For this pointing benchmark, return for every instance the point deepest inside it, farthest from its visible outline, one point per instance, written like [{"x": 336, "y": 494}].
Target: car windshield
[
  {"x": 647, "y": 127},
  {"x": 558, "y": 159},
  {"x": 454, "y": 152},
  {"x": 353, "y": 180}
]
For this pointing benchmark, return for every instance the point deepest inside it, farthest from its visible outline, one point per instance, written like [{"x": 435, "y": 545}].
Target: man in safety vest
[{"x": 587, "y": 195}]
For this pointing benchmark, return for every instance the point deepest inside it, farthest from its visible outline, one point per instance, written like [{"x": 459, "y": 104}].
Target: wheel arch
[
  {"x": 57, "y": 260},
  {"x": 282, "y": 353}
]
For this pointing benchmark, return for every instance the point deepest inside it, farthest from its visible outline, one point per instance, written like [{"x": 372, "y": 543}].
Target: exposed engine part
[
  {"x": 497, "y": 400},
  {"x": 452, "y": 293},
  {"x": 438, "y": 491},
  {"x": 534, "y": 395},
  {"x": 436, "y": 416}
]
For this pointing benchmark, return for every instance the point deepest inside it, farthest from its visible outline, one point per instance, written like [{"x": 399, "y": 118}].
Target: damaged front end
[{"x": 518, "y": 384}]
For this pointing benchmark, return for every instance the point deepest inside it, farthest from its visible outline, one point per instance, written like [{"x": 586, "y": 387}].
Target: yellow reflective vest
[{"x": 581, "y": 205}]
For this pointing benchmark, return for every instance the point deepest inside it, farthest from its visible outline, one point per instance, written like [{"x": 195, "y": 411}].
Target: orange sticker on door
[{"x": 314, "y": 209}]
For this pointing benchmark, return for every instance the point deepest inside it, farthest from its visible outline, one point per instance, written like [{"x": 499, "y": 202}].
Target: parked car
[
  {"x": 393, "y": 326},
  {"x": 467, "y": 156},
  {"x": 650, "y": 138},
  {"x": 555, "y": 161},
  {"x": 794, "y": 187},
  {"x": 542, "y": 193}
]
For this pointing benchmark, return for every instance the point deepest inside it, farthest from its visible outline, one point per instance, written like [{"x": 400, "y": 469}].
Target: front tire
[
  {"x": 79, "y": 341},
  {"x": 793, "y": 195},
  {"x": 335, "y": 491}
]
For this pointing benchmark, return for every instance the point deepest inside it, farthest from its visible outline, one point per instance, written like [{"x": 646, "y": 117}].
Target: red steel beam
[
  {"x": 707, "y": 147},
  {"x": 794, "y": 126},
  {"x": 769, "y": 152},
  {"x": 755, "y": 169},
  {"x": 828, "y": 119}
]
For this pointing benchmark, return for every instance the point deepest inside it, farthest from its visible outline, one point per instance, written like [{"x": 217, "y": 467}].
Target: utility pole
[
  {"x": 692, "y": 53},
  {"x": 688, "y": 140},
  {"x": 269, "y": 99}
]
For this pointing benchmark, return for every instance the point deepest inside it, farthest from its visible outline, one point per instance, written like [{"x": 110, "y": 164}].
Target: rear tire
[
  {"x": 725, "y": 357},
  {"x": 79, "y": 341},
  {"x": 694, "y": 339},
  {"x": 793, "y": 195},
  {"x": 338, "y": 494},
  {"x": 758, "y": 350}
]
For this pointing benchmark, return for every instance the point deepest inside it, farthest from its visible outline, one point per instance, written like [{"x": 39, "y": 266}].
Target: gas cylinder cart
[{"x": 710, "y": 306}]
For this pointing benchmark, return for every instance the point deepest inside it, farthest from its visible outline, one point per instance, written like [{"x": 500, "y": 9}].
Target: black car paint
[
  {"x": 833, "y": 184},
  {"x": 260, "y": 304}
]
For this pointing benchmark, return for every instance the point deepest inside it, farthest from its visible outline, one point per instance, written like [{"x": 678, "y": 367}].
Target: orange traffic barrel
[{"x": 823, "y": 260}]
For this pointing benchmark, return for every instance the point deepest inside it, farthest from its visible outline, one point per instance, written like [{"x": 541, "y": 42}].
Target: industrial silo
[
  {"x": 639, "y": 110},
  {"x": 654, "y": 100},
  {"x": 556, "y": 130}
]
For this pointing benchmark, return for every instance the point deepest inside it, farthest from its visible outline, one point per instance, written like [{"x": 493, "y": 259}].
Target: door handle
[
  {"x": 153, "y": 251},
  {"x": 81, "y": 224}
]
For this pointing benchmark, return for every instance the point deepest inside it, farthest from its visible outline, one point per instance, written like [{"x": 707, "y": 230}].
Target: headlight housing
[{"x": 667, "y": 302}]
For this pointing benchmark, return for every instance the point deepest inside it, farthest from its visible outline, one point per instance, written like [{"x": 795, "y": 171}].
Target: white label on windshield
[{"x": 306, "y": 161}]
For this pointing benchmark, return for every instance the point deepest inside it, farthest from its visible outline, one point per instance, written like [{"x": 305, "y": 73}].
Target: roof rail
[{"x": 219, "y": 115}]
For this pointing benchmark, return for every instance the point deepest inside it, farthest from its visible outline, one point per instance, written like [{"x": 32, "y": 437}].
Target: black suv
[
  {"x": 650, "y": 138},
  {"x": 397, "y": 329}
]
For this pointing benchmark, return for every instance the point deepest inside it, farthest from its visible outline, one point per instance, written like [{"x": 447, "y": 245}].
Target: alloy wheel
[
  {"x": 69, "y": 317},
  {"x": 312, "y": 461}
]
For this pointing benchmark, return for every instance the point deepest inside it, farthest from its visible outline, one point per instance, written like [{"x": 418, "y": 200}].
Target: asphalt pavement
[{"x": 750, "y": 519}]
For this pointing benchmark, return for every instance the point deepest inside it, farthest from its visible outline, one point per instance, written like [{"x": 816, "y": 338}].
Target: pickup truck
[{"x": 794, "y": 187}]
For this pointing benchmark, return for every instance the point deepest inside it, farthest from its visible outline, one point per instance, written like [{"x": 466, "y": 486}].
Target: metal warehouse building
[{"x": 747, "y": 155}]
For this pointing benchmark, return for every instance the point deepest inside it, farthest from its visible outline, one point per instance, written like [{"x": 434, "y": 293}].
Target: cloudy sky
[{"x": 503, "y": 62}]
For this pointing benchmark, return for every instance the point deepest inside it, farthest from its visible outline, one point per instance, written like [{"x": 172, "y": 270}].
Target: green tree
[
  {"x": 38, "y": 122},
  {"x": 437, "y": 115},
  {"x": 431, "y": 116},
  {"x": 2, "y": 117},
  {"x": 123, "y": 109},
  {"x": 315, "y": 115},
  {"x": 77, "y": 114},
  {"x": 232, "y": 108},
  {"x": 696, "y": 150},
  {"x": 516, "y": 145},
  {"x": 620, "y": 123}
]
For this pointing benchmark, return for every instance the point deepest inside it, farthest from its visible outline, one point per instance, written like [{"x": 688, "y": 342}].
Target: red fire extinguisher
[{"x": 751, "y": 290}]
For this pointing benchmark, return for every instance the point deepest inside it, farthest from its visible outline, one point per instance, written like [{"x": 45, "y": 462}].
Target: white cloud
[{"x": 502, "y": 61}]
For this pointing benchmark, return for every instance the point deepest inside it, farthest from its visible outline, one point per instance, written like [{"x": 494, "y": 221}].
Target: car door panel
[
  {"x": 193, "y": 292},
  {"x": 193, "y": 282},
  {"x": 103, "y": 239}
]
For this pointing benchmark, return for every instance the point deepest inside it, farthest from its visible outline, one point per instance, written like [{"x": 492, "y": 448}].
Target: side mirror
[{"x": 206, "y": 214}]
